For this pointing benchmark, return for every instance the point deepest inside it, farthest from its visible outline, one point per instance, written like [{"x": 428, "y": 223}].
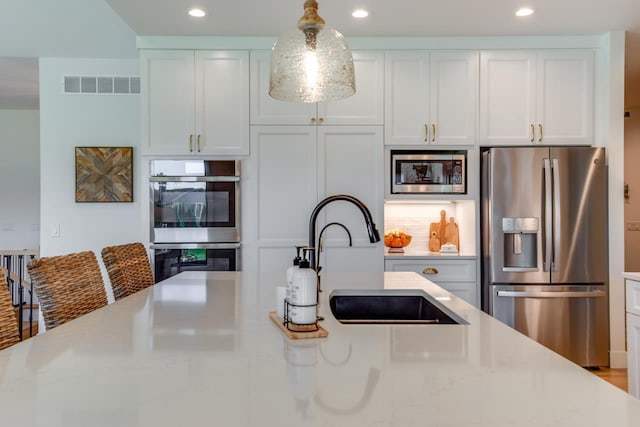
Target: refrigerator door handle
[
  {"x": 556, "y": 211},
  {"x": 548, "y": 219},
  {"x": 552, "y": 294}
]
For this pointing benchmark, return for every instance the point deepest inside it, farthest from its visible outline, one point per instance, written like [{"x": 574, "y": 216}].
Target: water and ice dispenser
[{"x": 520, "y": 244}]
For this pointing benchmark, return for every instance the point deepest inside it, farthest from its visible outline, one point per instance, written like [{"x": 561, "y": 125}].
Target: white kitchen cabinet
[
  {"x": 195, "y": 102},
  {"x": 365, "y": 107},
  {"x": 536, "y": 97},
  {"x": 456, "y": 275},
  {"x": 633, "y": 336},
  {"x": 290, "y": 170},
  {"x": 350, "y": 161},
  {"x": 431, "y": 98}
]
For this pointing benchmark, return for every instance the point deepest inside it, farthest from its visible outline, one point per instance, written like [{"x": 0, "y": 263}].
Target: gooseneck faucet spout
[{"x": 374, "y": 236}]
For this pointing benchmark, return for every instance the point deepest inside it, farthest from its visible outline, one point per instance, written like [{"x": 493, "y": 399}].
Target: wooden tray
[{"x": 300, "y": 333}]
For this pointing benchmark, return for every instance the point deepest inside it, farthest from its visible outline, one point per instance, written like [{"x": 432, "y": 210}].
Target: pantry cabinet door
[
  {"x": 565, "y": 109},
  {"x": 407, "y": 98},
  {"x": 167, "y": 98},
  {"x": 280, "y": 186},
  {"x": 507, "y": 98},
  {"x": 222, "y": 102},
  {"x": 350, "y": 162}
]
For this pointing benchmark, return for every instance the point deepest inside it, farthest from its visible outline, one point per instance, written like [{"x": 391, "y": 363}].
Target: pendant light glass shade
[{"x": 312, "y": 63}]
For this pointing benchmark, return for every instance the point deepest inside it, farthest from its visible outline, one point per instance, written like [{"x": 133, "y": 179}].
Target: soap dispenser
[
  {"x": 303, "y": 298},
  {"x": 291, "y": 270}
]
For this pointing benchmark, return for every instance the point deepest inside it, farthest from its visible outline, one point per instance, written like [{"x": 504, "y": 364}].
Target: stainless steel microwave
[{"x": 428, "y": 172}]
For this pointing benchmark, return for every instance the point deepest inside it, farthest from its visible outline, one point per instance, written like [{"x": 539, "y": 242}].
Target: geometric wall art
[{"x": 104, "y": 174}]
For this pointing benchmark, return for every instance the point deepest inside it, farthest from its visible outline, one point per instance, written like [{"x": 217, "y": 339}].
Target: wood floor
[{"x": 617, "y": 377}]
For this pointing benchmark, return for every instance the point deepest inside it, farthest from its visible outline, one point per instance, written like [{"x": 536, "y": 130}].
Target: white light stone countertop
[
  {"x": 631, "y": 275},
  {"x": 200, "y": 349}
]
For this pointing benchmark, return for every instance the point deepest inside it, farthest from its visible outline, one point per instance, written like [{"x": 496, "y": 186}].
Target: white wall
[
  {"x": 67, "y": 121},
  {"x": 64, "y": 28},
  {"x": 20, "y": 177}
]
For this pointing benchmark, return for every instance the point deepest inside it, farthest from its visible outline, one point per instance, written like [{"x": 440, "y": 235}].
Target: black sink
[{"x": 389, "y": 306}]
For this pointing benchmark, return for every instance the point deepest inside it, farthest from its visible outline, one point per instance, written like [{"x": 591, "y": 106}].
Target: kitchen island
[{"x": 199, "y": 348}]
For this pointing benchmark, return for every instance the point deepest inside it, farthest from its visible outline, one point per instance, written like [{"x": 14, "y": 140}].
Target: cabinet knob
[
  {"x": 191, "y": 143},
  {"x": 321, "y": 120},
  {"x": 313, "y": 119},
  {"x": 430, "y": 270}
]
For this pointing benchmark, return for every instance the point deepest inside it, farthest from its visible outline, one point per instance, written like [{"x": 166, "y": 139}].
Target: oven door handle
[
  {"x": 194, "y": 179},
  {"x": 195, "y": 246}
]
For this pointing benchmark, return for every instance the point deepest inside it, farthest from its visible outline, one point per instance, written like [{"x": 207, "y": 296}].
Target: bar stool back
[
  {"x": 9, "y": 333},
  {"x": 128, "y": 267},
  {"x": 67, "y": 286}
]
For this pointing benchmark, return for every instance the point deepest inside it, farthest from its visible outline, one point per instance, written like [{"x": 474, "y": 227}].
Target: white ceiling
[
  {"x": 387, "y": 18},
  {"x": 69, "y": 30},
  {"x": 397, "y": 18}
]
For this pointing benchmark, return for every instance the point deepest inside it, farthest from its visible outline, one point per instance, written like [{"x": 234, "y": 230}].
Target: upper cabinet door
[
  {"x": 266, "y": 110},
  {"x": 407, "y": 98},
  {"x": 167, "y": 101},
  {"x": 222, "y": 102},
  {"x": 363, "y": 108},
  {"x": 564, "y": 107},
  {"x": 507, "y": 94},
  {"x": 366, "y": 106},
  {"x": 431, "y": 98},
  {"x": 453, "y": 98},
  {"x": 537, "y": 97}
]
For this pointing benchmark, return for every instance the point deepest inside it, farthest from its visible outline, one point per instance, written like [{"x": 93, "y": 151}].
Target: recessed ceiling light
[
  {"x": 360, "y": 13},
  {"x": 197, "y": 13},
  {"x": 524, "y": 11}
]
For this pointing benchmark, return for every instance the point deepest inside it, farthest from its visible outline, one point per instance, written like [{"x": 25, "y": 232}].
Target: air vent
[{"x": 102, "y": 85}]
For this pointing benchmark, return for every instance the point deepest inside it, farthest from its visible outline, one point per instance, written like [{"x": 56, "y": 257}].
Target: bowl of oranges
[{"x": 396, "y": 240}]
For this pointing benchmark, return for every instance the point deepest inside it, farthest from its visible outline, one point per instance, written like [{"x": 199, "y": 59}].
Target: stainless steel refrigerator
[{"x": 544, "y": 246}]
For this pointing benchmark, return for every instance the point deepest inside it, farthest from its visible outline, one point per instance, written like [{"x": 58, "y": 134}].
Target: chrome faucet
[{"x": 374, "y": 236}]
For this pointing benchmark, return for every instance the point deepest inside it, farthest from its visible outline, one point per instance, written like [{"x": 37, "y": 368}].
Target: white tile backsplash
[{"x": 414, "y": 219}]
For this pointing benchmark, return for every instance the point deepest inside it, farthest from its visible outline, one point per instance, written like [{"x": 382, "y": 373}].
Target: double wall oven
[{"x": 195, "y": 215}]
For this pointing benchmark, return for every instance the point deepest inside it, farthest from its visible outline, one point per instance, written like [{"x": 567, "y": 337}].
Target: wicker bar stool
[
  {"x": 9, "y": 334},
  {"x": 67, "y": 286},
  {"x": 128, "y": 267}
]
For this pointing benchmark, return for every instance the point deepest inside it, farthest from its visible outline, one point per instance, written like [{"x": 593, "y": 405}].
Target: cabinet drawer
[
  {"x": 633, "y": 354},
  {"x": 467, "y": 291},
  {"x": 438, "y": 271},
  {"x": 633, "y": 296}
]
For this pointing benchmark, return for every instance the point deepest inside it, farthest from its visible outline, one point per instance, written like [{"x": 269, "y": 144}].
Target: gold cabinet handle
[
  {"x": 433, "y": 133},
  {"x": 430, "y": 270},
  {"x": 191, "y": 143},
  {"x": 198, "y": 143},
  {"x": 426, "y": 132},
  {"x": 540, "y": 129},
  {"x": 321, "y": 120},
  {"x": 533, "y": 132},
  {"x": 313, "y": 119}
]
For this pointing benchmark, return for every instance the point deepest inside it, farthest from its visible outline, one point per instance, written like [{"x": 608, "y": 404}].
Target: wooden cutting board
[
  {"x": 451, "y": 234},
  {"x": 298, "y": 334},
  {"x": 442, "y": 230},
  {"x": 434, "y": 237}
]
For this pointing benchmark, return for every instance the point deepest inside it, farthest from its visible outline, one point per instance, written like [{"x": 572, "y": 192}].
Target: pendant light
[{"x": 311, "y": 63}]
